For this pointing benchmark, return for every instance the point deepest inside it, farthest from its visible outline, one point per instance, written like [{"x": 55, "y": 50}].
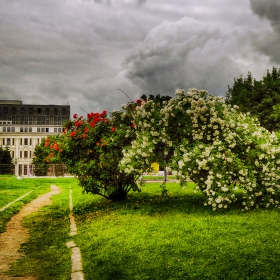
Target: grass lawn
[
  {"x": 158, "y": 177},
  {"x": 11, "y": 188},
  {"x": 150, "y": 237}
]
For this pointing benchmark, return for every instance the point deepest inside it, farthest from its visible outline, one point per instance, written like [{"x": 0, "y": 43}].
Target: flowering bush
[
  {"x": 219, "y": 148},
  {"x": 92, "y": 149},
  {"x": 150, "y": 144},
  {"x": 202, "y": 138}
]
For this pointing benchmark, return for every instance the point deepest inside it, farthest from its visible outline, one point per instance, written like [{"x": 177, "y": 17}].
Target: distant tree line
[{"x": 260, "y": 98}]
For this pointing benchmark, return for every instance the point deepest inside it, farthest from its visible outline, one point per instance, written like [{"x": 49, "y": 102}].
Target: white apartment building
[{"x": 22, "y": 126}]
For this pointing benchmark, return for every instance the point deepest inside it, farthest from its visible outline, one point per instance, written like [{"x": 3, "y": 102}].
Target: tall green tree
[
  {"x": 6, "y": 161},
  {"x": 260, "y": 98}
]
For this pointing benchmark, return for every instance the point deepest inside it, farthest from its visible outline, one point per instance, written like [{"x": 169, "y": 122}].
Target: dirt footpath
[{"x": 16, "y": 234}]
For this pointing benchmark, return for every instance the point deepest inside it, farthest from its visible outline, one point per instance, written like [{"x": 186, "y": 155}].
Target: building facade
[{"x": 22, "y": 127}]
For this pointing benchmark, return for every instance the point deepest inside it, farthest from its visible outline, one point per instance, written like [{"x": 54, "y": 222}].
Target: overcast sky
[{"x": 83, "y": 51}]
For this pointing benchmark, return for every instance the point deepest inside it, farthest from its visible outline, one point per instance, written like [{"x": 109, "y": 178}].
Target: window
[
  {"x": 13, "y": 129},
  {"x": 42, "y": 129},
  {"x": 30, "y": 141},
  {"x": 8, "y": 141},
  {"x": 38, "y": 120},
  {"x": 59, "y": 121},
  {"x": 20, "y": 154},
  {"x": 38, "y": 129},
  {"x": 21, "y": 129},
  {"x": 22, "y": 110},
  {"x": 3, "y": 141},
  {"x": 55, "y": 120},
  {"x": 39, "y": 110},
  {"x": 21, "y": 119},
  {"x": 63, "y": 111},
  {"x": 5, "y": 111},
  {"x": 47, "y": 120},
  {"x": 43, "y": 120},
  {"x": 26, "y": 120},
  {"x": 8, "y": 129},
  {"x": 55, "y": 111},
  {"x": 25, "y": 169},
  {"x": 4, "y": 129},
  {"x": 26, "y": 129},
  {"x": 30, "y": 129},
  {"x": 30, "y": 111},
  {"x": 25, "y": 141},
  {"x": 30, "y": 119},
  {"x": 59, "y": 129},
  {"x": 47, "y": 111},
  {"x": 47, "y": 129},
  {"x": 13, "y": 119},
  {"x": 55, "y": 129},
  {"x": 14, "y": 110},
  {"x": 25, "y": 154}
]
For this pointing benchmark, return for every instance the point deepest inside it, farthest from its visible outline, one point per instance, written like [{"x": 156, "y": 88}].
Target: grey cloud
[
  {"x": 110, "y": 2},
  {"x": 188, "y": 53},
  {"x": 270, "y": 10},
  {"x": 83, "y": 51}
]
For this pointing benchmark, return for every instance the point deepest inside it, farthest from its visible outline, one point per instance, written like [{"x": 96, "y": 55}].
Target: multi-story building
[{"x": 22, "y": 126}]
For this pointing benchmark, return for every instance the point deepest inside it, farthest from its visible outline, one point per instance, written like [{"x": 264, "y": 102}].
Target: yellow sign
[{"x": 155, "y": 166}]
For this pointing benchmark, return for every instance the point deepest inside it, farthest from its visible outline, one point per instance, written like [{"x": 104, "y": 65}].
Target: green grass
[
  {"x": 158, "y": 177},
  {"x": 148, "y": 237},
  {"x": 11, "y": 188},
  {"x": 152, "y": 237}
]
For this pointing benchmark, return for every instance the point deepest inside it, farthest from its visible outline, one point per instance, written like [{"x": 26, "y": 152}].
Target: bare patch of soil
[{"x": 16, "y": 234}]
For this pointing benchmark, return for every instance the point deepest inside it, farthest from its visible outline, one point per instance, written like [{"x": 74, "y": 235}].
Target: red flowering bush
[{"x": 92, "y": 147}]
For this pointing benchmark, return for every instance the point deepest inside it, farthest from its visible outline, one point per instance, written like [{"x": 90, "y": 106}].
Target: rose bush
[{"x": 91, "y": 147}]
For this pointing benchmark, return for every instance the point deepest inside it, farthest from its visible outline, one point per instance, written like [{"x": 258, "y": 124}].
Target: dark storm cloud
[
  {"x": 189, "y": 53},
  {"x": 270, "y": 10}
]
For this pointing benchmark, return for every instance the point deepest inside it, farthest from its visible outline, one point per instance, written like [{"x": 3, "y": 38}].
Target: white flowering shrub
[
  {"x": 219, "y": 148},
  {"x": 151, "y": 143}
]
